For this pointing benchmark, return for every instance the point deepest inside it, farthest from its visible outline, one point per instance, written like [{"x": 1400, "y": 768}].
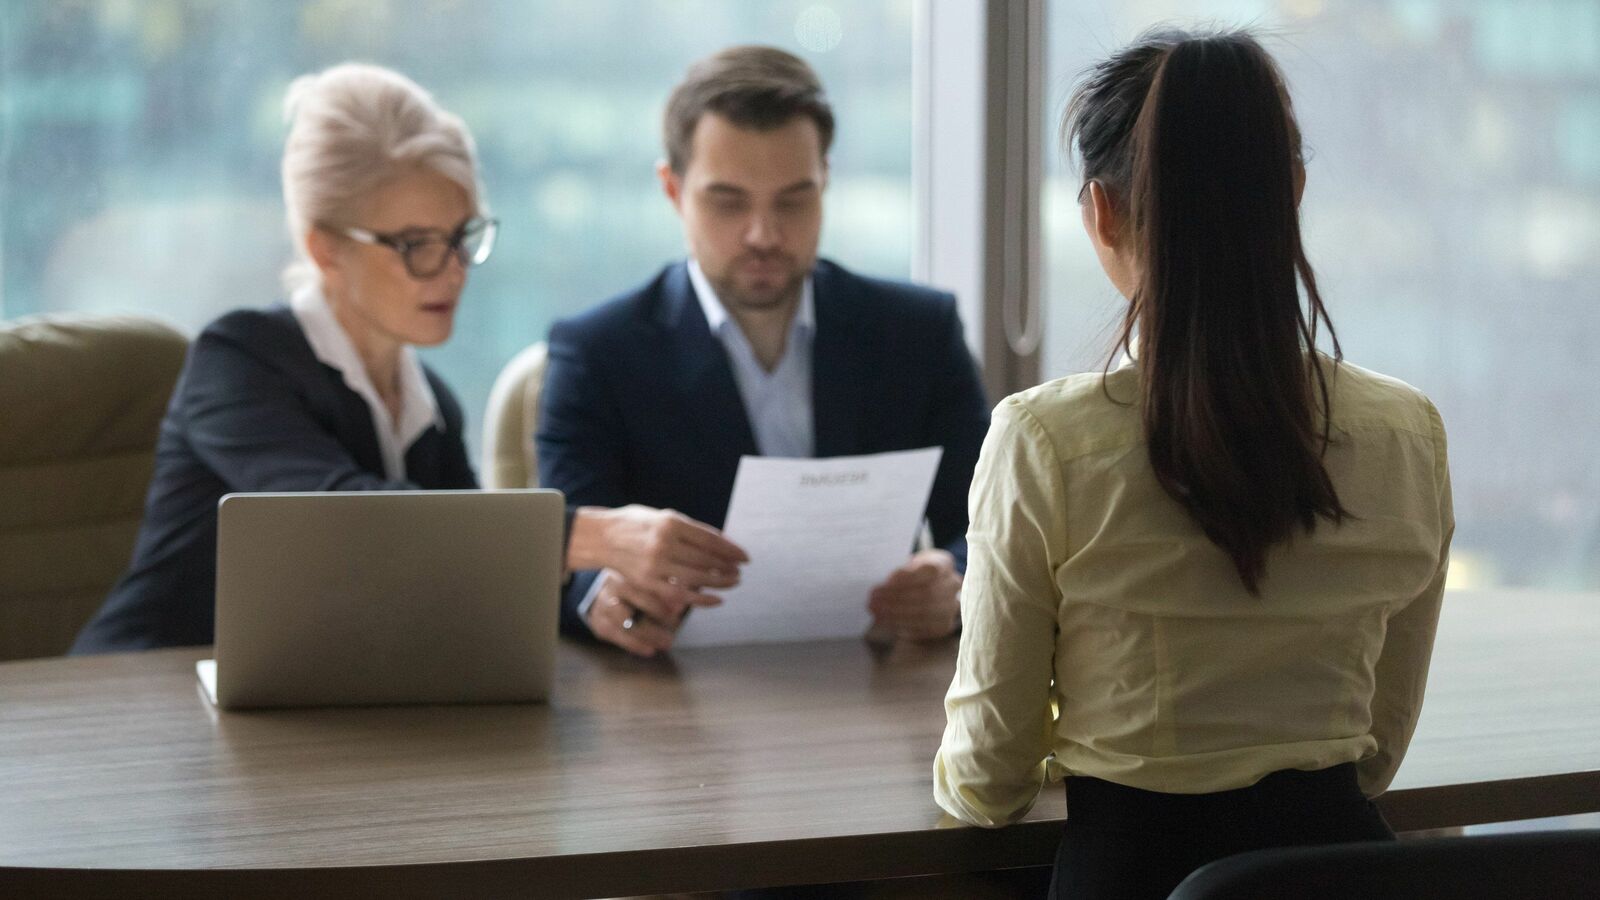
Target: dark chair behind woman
[{"x": 1533, "y": 865}]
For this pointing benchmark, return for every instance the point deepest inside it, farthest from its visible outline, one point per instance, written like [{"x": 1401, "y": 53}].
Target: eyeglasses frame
[{"x": 453, "y": 243}]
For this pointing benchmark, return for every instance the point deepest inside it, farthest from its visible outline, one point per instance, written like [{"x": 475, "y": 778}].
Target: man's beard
[{"x": 776, "y": 297}]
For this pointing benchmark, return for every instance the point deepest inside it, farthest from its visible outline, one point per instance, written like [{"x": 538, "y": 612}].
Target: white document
[{"x": 821, "y": 533}]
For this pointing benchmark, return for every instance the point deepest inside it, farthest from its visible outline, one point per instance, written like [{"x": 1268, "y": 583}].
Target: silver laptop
[{"x": 333, "y": 599}]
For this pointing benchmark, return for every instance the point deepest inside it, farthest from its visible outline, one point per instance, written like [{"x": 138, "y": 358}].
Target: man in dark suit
[{"x": 754, "y": 345}]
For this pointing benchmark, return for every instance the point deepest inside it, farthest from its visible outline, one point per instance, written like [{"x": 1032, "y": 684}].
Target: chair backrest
[
  {"x": 81, "y": 401},
  {"x": 509, "y": 457},
  {"x": 1527, "y": 864}
]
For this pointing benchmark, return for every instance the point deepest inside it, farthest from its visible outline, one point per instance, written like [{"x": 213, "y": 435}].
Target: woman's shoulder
[
  {"x": 253, "y": 339},
  {"x": 255, "y": 325},
  {"x": 1083, "y": 413},
  {"x": 1363, "y": 398},
  {"x": 1084, "y": 388}
]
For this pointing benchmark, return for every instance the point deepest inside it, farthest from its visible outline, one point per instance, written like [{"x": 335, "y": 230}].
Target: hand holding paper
[
  {"x": 919, "y": 600},
  {"x": 820, "y": 534}
]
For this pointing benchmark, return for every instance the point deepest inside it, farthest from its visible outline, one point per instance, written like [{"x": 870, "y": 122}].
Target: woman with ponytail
[{"x": 1203, "y": 586}]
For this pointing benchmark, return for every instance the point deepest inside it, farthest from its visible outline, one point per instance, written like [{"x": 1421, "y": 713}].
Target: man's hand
[
  {"x": 630, "y": 619},
  {"x": 665, "y": 558},
  {"x": 919, "y": 600}
]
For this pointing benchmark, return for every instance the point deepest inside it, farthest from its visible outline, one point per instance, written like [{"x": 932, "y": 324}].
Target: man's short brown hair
[{"x": 754, "y": 87}]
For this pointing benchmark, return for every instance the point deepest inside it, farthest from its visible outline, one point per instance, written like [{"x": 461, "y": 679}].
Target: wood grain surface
[{"x": 725, "y": 767}]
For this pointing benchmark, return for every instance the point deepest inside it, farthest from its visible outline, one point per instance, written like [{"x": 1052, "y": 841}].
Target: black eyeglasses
[{"x": 426, "y": 252}]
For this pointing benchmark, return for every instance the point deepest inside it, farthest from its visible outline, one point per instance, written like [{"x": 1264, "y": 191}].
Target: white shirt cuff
[{"x": 594, "y": 591}]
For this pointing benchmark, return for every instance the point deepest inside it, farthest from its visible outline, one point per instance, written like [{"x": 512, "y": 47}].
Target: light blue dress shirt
[{"x": 778, "y": 403}]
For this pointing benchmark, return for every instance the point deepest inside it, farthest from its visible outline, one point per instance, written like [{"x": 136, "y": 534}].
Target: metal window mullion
[{"x": 1013, "y": 179}]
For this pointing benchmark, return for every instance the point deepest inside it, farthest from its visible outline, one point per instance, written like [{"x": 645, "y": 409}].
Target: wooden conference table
[{"x": 719, "y": 768}]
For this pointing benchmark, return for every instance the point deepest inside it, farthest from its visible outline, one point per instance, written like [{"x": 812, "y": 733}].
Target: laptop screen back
[{"x": 387, "y": 597}]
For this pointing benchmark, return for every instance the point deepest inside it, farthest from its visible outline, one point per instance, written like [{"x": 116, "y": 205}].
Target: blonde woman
[{"x": 325, "y": 393}]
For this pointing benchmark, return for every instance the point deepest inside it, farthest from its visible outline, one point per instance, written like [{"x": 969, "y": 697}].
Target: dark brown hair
[
  {"x": 1194, "y": 140},
  {"x": 759, "y": 88}
]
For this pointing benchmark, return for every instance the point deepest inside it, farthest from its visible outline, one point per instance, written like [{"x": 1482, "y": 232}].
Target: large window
[
  {"x": 1452, "y": 213},
  {"x": 140, "y": 141}
]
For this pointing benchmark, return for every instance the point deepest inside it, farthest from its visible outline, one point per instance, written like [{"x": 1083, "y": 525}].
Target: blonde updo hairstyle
[{"x": 352, "y": 128}]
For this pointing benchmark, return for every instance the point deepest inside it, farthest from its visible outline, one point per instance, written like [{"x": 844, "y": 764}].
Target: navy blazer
[
  {"x": 253, "y": 410},
  {"x": 640, "y": 403}
]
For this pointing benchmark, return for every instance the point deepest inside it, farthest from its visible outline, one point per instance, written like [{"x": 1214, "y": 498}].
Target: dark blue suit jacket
[
  {"x": 640, "y": 403},
  {"x": 253, "y": 410}
]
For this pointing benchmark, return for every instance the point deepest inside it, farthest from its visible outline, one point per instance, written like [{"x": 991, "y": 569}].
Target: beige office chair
[
  {"x": 81, "y": 400},
  {"x": 510, "y": 459}
]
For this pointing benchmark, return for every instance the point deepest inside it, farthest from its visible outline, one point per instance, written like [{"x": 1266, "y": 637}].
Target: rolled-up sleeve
[{"x": 991, "y": 763}]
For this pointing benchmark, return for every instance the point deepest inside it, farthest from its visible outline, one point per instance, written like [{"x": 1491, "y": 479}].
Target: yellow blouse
[{"x": 1104, "y": 635}]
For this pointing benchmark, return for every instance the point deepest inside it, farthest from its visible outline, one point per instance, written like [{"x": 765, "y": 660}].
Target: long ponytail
[{"x": 1196, "y": 138}]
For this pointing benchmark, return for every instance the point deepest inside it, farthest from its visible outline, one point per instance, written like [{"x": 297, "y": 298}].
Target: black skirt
[{"x": 1128, "y": 844}]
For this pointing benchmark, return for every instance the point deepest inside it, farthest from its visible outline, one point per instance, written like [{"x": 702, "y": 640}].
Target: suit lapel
[
  {"x": 837, "y": 365},
  {"x": 361, "y": 434},
  {"x": 702, "y": 375}
]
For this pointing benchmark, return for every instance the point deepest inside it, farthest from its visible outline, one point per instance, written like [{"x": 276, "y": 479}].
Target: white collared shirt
[
  {"x": 778, "y": 403},
  {"x": 419, "y": 408}
]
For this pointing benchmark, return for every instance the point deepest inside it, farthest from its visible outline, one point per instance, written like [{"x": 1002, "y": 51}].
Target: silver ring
[{"x": 631, "y": 620}]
